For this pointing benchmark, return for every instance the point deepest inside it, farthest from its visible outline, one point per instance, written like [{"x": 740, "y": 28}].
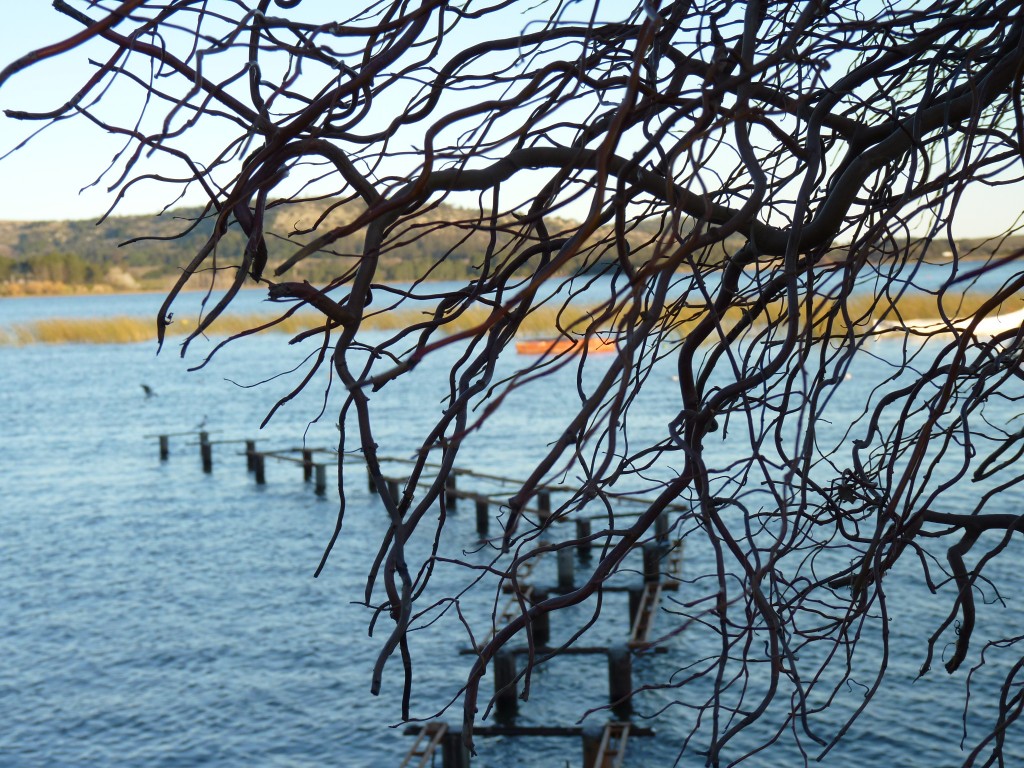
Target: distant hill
[
  {"x": 44, "y": 255},
  {"x": 49, "y": 256}
]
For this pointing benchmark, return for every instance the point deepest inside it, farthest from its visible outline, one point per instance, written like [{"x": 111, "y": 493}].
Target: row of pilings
[{"x": 603, "y": 745}]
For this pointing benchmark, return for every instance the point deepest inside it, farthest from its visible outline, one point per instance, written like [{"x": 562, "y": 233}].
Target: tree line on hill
[
  {"x": 153, "y": 249},
  {"x": 149, "y": 251}
]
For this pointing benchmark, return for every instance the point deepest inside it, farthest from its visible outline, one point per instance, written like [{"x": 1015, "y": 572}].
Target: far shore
[
  {"x": 41, "y": 289},
  {"x": 916, "y": 314},
  {"x": 44, "y": 288}
]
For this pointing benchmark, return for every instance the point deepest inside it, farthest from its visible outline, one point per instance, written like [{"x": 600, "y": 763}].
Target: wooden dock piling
[
  {"x": 620, "y": 679},
  {"x": 635, "y": 601},
  {"x": 543, "y": 505},
  {"x": 662, "y": 567},
  {"x": 653, "y": 554},
  {"x": 566, "y": 569},
  {"x": 503, "y": 667},
  {"x": 583, "y": 531},
  {"x": 591, "y": 737},
  {"x": 454, "y": 753},
  {"x": 603, "y": 745},
  {"x": 661, "y": 527},
  {"x": 541, "y": 623},
  {"x": 451, "y": 491},
  {"x": 483, "y": 516},
  {"x": 206, "y": 452}
]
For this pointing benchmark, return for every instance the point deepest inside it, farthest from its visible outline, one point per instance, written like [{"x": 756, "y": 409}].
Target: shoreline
[
  {"x": 76, "y": 291},
  {"x": 47, "y": 289}
]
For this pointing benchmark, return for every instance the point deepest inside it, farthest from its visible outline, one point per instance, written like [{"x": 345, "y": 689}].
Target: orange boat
[{"x": 592, "y": 344}]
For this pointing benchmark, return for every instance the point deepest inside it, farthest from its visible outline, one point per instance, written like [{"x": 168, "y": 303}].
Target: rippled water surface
[{"x": 153, "y": 615}]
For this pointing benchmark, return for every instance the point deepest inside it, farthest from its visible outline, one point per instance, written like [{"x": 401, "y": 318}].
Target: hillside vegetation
[{"x": 147, "y": 252}]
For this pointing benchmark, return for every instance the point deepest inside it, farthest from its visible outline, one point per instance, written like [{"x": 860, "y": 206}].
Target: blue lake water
[
  {"x": 153, "y": 615},
  {"x": 968, "y": 276}
]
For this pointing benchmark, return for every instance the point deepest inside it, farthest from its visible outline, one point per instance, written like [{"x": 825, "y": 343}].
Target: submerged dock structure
[{"x": 603, "y": 745}]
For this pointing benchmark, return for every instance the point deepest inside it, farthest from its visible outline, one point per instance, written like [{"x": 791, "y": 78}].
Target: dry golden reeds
[
  {"x": 126, "y": 330},
  {"x": 545, "y": 321}
]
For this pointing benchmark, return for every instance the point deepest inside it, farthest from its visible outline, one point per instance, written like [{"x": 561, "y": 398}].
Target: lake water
[{"x": 151, "y": 615}]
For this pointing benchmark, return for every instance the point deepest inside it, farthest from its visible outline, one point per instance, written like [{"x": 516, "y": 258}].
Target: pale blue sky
[{"x": 42, "y": 180}]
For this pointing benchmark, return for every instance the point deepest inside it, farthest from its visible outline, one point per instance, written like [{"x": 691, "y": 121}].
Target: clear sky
[{"x": 43, "y": 180}]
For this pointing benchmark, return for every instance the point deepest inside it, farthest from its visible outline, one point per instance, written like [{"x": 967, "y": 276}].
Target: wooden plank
[
  {"x": 174, "y": 434},
  {"x": 282, "y": 455},
  {"x": 553, "y": 651},
  {"x": 511, "y": 609},
  {"x": 479, "y": 475},
  {"x": 645, "y": 614},
  {"x": 612, "y": 751},
  {"x": 674, "y": 565},
  {"x": 426, "y": 742}
]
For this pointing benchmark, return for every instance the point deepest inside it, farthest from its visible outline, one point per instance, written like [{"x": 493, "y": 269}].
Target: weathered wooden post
[
  {"x": 450, "y": 492},
  {"x": 321, "y": 480},
  {"x": 206, "y": 452},
  {"x": 543, "y": 505},
  {"x": 636, "y": 595},
  {"x": 566, "y": 569},
  {"x": 542, "y": 622},
  {"x": 259, "y": 467},
  {"x": 165, "y": 447},
  {"x": 307, "y": 464},
  {"x": 620, "y": 679},
  {"x": 583, "y": 531},
  {"x": 592, "y": 736},
  {"x": 393, "y": 490},
  {"x": 483, "y": 517},
  {"x": 454, "y": 753},
  {"x": 250, "y": 455},
  {"x": 661, "y": 527},
  {"x": 653, "y": 554},
  {"x": 503, "y": 667}
]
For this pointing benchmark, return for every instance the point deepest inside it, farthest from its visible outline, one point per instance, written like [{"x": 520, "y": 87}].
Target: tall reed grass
[
  {"x": 543, "y": 322},
  {"x": 129, "y": 330}
]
